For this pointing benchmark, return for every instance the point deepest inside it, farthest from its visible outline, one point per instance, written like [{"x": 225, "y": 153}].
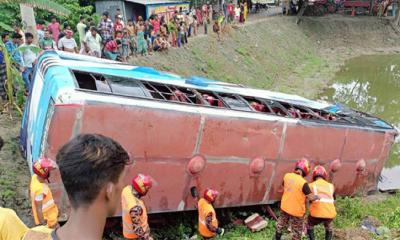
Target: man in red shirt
[
  {"x": 230, "y": 10},
  {"x": 119, "y": 24},
  {"x": 54, "y": 28},
  {"x": 156, "y": 24}
]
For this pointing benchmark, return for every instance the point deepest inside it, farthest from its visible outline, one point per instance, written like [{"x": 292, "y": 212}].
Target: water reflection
[{"x": 371, "y": 84}]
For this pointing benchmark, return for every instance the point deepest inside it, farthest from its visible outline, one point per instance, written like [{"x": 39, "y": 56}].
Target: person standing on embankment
[
  {"x": 322, "y": 211},
  {"x": 293, "y": 203}
]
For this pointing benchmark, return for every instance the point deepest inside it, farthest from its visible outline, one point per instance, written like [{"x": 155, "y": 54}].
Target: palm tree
[{"x": 28, "y": 16}]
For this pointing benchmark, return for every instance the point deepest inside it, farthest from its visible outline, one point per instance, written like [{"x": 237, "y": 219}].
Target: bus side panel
[
  {"x": 161, "y": 142},
  {"x": 64, "y": 119}
]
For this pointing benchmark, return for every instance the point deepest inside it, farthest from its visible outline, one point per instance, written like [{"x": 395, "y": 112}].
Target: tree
[{"x": 27, "y": 13}]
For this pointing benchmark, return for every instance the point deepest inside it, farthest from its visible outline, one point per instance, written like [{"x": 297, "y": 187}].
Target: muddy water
[{"x": 372, "y": 84}]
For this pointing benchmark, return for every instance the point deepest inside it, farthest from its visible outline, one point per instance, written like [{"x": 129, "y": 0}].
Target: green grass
[{"x": 351, "y": 211}]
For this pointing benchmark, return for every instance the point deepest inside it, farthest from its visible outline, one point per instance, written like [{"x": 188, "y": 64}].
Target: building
[{"x": 132, "y": 9}]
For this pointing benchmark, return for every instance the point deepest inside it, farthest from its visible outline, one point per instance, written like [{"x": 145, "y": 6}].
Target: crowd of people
[{"x": 118, "y": 40}]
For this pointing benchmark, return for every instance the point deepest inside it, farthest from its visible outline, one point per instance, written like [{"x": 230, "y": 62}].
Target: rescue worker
[
  {"x": 134, "y": 212},
  {"x": 208, "y": 223},
  {"x": 293, "y": 204},
  {"x": 45, "y": 211},
  {"x": 322, "y": 210}
]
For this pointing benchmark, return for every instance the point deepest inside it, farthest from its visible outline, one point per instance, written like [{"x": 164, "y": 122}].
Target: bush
[{"x": 394, "y": 219}]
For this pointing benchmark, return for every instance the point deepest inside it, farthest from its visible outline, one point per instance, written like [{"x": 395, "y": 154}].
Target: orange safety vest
[
  {"x": 128, "y": 202},
  {"x": 293, "y": 199},
  {"x": 204, "y": 209},
  {"x": 324, "y": 207},
  {"x": 49, "y": 208}
]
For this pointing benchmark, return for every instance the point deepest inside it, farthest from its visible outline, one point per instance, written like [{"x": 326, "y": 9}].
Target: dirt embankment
[
  {"x": 14, "y": 172},
  {"x": 277, "y": 54}
]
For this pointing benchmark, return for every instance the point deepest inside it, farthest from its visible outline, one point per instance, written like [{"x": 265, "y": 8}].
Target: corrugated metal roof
[{"x": 152, "y": 2}]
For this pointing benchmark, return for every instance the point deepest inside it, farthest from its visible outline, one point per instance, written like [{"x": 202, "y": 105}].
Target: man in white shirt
[
  {"x": 80, "y": 27},
  {"x": 29, "y": 54},
  {"x": 68, "y": 43},
  {"x": 92, "y": 43}
]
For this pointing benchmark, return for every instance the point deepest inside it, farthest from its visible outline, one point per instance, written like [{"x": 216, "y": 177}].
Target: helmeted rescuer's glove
[{"x": 220, "y": 231}]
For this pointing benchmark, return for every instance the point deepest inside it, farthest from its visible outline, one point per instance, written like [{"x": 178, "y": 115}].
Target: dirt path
[{"x": 14, "y": 173}]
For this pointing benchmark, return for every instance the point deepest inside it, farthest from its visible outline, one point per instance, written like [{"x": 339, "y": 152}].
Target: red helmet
[
  {"x": 42, "y": 167},
  {"x": 303, "y": 165},
  {"x": 142, "y": 183},
  {"x": 210, "y": 194},
  {"x": 319, "y": 171}
]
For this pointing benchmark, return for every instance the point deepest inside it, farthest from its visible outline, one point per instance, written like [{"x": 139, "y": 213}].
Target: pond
[{"x": 372, "y": 84}]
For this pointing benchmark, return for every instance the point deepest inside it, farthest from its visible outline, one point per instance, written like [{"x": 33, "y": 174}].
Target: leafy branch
[{"x": 42, "y": 4}]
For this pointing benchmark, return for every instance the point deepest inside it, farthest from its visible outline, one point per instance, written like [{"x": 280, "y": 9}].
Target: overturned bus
[{"x": 198, "y": 132}]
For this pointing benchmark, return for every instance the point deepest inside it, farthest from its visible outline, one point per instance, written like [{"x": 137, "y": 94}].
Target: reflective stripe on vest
[
  {"x": 49, "y": 204},
  {"x": 204, "y": 209},
  {"x": 324, "y": 198},
  {"x": 293, "y": 199},
  {"x": 129, "y": 201},
  {"x": 324, "y": 207}
]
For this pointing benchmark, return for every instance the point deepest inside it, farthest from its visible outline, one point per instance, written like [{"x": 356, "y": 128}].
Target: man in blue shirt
[{"x": 11, "y": 46}]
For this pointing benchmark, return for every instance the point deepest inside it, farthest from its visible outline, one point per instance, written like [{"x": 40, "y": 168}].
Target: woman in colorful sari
[{"x": 141, "y": 42}]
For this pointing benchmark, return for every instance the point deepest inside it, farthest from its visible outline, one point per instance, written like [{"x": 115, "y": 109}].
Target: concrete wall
[
  {"x": 111, "y": 7},
  {"x": 133, "y": 10}
]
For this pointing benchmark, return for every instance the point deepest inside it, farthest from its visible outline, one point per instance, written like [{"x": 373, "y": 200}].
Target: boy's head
[
  {"x": 93, "y": 30},
  {"x": 104, "y": 16},
  {"x": 28, "y": 38},
  {"x": 4, "y": 37},
  {"x": 53, "y": 19},
  {"x": 66, "y": 25},
  {"x": 69, "y": 33},
  {"x": 92, "y": 168},
  {"x": 17, "y": 38},
  {"x": 118, "y": 34},
  {"x": 47, "y": 33}
]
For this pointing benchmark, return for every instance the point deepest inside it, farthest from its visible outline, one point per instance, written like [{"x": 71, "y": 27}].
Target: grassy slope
[
  {"x": 261, "y": 55},
  {"x": 277, "y": 54}
]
